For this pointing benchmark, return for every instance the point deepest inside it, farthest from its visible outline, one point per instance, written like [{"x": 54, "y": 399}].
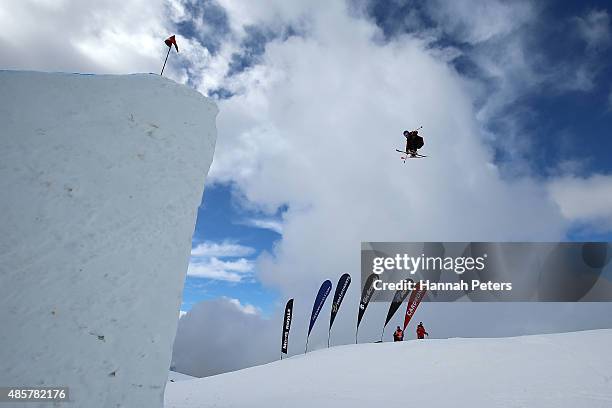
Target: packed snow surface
[
  {"x": 173, "y": 376},
  {"x": 543, "y": 371},
  {"x": 101, "y": 177}
]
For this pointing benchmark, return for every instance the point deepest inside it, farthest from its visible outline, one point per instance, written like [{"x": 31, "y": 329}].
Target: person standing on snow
[
  {"x": 420, "y": 331},
  {"x": 398, "y": 335}
]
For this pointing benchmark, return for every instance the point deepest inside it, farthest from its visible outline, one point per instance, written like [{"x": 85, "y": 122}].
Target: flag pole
[
  {"x": 383, "y": 333},
  {"x": 306, "y": 349},
  {"x": 328, "y": 336},
  {"x": 162, "y": 71}
]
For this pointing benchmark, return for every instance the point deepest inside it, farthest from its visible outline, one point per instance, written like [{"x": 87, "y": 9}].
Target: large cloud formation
[{"x": 222, "y": 335}]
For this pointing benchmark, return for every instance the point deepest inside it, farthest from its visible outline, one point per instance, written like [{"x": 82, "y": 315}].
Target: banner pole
[
  {"x": 328, "y": 336},
  {"x": 162, "y": 71},
  {"x": 383, "y": 334},
  {"x": 306, "y": 349},
  {"x": 356, "y": 332}
]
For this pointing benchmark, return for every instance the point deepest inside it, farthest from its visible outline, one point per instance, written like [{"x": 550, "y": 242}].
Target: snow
[
  {"x": 101, "y": 177},
  {"x": 544, "y": 371},
  {"x": 173, "y": 376}
]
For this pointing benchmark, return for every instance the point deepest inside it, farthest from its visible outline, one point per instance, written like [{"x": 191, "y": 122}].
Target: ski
[{"x": 410, "y": 156}]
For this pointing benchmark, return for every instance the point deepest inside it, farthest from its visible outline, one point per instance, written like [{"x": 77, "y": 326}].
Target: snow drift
[
  {"x": 555, "y": 370},
  {"x": 101, "y": 177}
]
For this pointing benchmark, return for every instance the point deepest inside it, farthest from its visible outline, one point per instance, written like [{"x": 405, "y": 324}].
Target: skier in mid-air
[
  {"x": 413, "y": 142},
  {"x": 398, "y": 335},
  {"x": 420, "y": 331}
]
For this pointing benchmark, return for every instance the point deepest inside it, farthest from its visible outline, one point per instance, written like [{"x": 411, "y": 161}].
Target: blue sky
[
  {"x": 550, "y": 128},
  {"x": 221, "y": 218}
]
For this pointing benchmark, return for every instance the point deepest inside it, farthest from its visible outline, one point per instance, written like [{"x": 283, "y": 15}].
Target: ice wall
[{"x": 100, "y": 180}]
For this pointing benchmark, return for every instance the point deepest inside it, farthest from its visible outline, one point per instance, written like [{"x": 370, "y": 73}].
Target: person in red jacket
[
  {"x": 398, "y": 335},
  {"x": 420, "y": 331}
]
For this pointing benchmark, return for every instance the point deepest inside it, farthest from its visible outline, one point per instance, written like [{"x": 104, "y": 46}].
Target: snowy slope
[
  {"x": 101, "y": 177},
  {"x": 544, "y": 371}
]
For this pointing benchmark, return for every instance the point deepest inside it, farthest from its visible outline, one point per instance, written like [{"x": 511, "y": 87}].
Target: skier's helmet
[{"x": 406, "y": 133}]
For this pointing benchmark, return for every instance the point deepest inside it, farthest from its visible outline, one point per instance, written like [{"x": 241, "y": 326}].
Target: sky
[{"x": 515, "y": 100}]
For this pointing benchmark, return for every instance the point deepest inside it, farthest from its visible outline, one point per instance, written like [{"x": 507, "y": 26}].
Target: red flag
[
  {"x": 171, "y": 41},
  {"x": 413, "y": 302}
]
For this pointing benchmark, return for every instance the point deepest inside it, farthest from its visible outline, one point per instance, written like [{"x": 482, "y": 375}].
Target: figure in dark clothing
[
  {"x": 420, "y": 331},
  {"x": 413, "y": 142},
  {"x": 398, "y": 335}
]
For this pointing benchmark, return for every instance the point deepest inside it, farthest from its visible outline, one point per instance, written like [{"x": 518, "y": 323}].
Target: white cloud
[
  {"x": 244, "y": 308},
  {"x": 476, "y": 21},
  {"x": 221, "y": 250},
  {"x": 270, "y": 224},
  {"x": 214, "y": 268},
  {"x": 218, "y": 336},
  {"x": 585, "y": 199},
  {"x": 206, "y": 261},
  {"x": 268, "y": 12},
  {"x": 108, "y": 36},
  {"x": 580, "y": 72},
  {"x": 594, "y": 28}
]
